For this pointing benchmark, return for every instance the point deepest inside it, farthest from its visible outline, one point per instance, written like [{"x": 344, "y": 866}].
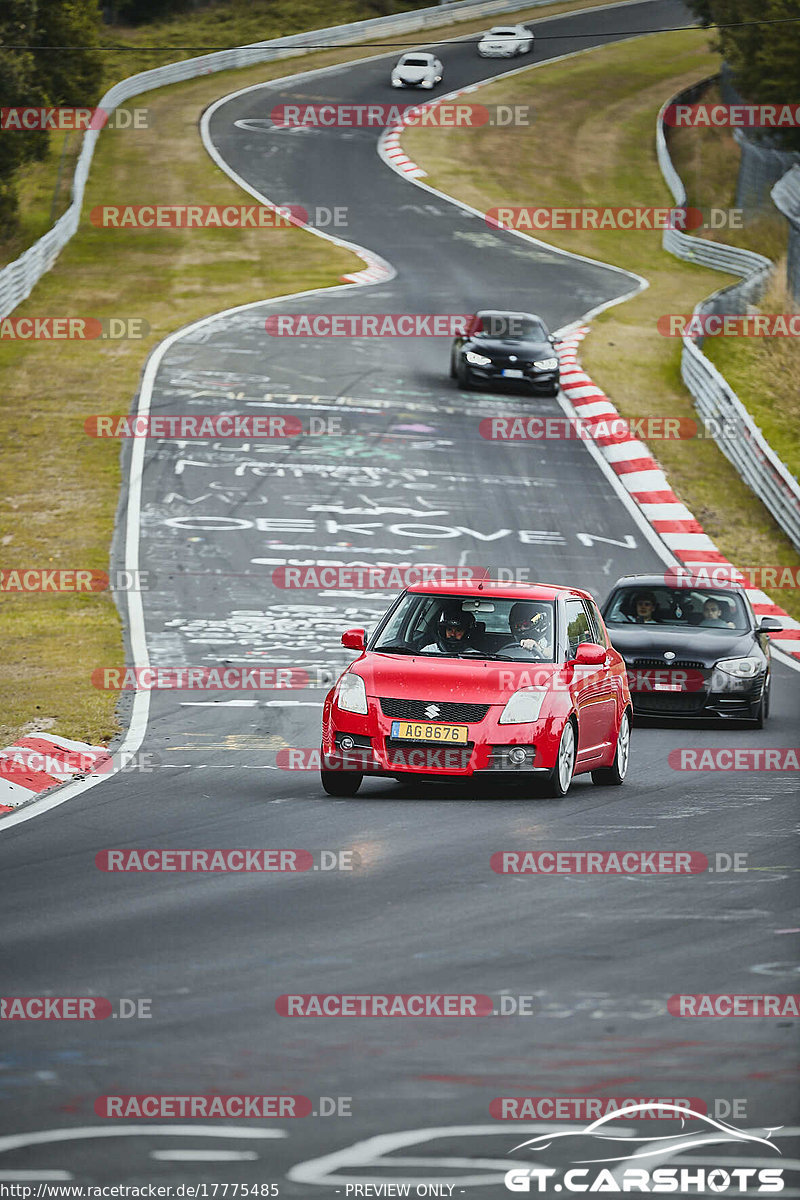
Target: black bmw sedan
[
  {"x": 691, "y": 651},
  {"x": 506, "y": 347}
]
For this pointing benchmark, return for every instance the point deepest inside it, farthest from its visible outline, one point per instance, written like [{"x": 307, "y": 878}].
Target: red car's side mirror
[
  {"x": 590, "y": 654},
  {"x": 355, "y": 639}
]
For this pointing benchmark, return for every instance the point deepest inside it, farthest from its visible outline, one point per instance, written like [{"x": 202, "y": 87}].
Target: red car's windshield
[{"x": 461, "y": 626}]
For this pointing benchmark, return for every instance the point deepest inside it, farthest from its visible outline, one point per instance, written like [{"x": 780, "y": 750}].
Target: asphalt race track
[{"x": 398, "y": 474}]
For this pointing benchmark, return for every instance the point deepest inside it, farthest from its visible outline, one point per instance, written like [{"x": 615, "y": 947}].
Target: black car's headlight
[
  {"x": 546, "y": 364},
  {"x": 741, "y": 668},
  {"x": 730, "y": 672},
  {"x": 477, "y": 360}
]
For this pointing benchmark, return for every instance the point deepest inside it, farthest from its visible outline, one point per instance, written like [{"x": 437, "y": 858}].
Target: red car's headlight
[
  {"x": 352, "y": 694},
  {"x": 523, "y": 707}
]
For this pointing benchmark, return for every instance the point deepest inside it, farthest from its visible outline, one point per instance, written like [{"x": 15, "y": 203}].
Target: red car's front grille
[{"x": 414, "y": 710}]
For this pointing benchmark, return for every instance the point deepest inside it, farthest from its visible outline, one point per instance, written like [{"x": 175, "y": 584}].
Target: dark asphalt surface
[{"x": 407, "y": 478}]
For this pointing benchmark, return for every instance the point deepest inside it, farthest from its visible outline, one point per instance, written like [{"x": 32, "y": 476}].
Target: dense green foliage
[
  {"x": 764, "y": 57},
  {"x": 35, "y": 73}
]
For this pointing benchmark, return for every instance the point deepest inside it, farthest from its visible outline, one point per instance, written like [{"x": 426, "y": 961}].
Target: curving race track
[{"x": 408, "y": 479}]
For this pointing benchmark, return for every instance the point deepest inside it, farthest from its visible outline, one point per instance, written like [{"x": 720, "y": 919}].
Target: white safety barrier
[
  {"x": 18, "y": 279},
  {"x": 715, "y": 400}
]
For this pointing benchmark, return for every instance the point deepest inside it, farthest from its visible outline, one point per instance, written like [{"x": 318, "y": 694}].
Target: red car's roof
[{"x": 493, "y": 587}]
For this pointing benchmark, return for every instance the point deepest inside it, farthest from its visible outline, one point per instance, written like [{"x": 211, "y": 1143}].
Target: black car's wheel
[
  {"x": 453, "y": 373},
  {"x": 614, "y": 775},
  {"x": 560, "y": 777},
  {"x": 761, "y": 709},
  {"x": 340, "y": 783},
  {"x": 463, "y": 377}
]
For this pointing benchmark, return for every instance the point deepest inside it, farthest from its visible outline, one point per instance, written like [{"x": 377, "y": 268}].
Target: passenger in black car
[{"x": 644, "y": 608}]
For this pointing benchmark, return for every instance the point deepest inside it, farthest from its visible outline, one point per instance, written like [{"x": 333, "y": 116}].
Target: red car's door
[{"x": 592, "y": 686}]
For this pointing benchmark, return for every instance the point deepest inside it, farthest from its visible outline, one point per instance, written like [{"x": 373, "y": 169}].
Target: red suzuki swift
[{"x": 461, "y": 681}]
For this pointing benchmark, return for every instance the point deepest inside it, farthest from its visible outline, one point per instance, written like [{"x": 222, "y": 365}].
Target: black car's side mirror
[{"x": 769, "y": 625}]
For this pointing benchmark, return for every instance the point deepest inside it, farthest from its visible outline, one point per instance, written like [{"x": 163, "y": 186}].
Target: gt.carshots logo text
[
  {"x": 351, "y": 325},
  {"x": 603, "y": 1167}
]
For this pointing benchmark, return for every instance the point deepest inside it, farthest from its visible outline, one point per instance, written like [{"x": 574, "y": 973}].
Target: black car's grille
[
  {"x": 669, "y": 702},
  {"x": 661, "y": 663},
  {"x": 414, "y": 710}
]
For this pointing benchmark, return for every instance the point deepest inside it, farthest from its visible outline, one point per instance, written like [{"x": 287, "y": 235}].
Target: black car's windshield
[
  {"x": 508, "y": 328},
  {"x": 455, "y": 626},
  {"x": 702, "y": 608}
]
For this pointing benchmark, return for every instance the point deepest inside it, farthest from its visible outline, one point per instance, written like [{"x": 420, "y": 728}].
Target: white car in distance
[
  {"x": 505, "y": 41},
  {"x": 417, "y": 70}
]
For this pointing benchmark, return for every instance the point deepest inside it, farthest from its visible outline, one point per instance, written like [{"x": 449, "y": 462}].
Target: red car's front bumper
[{"x": 489, "y": 747}]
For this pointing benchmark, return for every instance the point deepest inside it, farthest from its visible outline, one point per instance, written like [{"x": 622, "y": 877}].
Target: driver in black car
[
  {"x": 452, "y": 633},
  {"x": 530, "y": 625}
]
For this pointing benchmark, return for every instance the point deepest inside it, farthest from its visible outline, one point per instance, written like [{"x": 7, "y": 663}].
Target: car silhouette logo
[
  {"x": 432, "y": 711},
  {"x": 669, "y": 655}
]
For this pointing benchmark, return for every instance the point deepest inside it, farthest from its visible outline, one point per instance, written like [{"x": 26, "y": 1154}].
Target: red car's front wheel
[
  {"x": 561, "y": 775},
  {"x": 341, "y": 783}
]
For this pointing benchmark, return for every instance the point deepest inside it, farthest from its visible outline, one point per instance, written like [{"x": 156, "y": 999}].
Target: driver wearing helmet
[
  {"x": 531, "y": 626},
  {"x": 452, "y": 632}
]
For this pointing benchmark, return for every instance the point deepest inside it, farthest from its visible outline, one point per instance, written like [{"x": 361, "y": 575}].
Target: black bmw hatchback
[
  {"x": 508, "y": 348},
  {"x": 691, "y": 651}
]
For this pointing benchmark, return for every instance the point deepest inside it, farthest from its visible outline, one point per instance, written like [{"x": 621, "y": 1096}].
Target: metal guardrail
[
  {"x": 19, "y": 277},
  {"x": 715, "y": 400}
]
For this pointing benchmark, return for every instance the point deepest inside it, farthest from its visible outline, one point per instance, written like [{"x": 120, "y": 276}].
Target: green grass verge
[
  {"x": 762, "y": 371},
  {"x": 61, "y": 488},
  {"x": 581, "y": 152}
]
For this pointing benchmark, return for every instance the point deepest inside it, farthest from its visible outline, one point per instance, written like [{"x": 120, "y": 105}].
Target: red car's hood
[{"x": 477, "y": 680}]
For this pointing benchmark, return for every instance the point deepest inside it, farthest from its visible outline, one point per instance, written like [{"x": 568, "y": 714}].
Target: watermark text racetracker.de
[
  {"x": 228, "y": 859},
  {"x": 72, "y": 328},
  {"x": 396, "y": 1004},
  {"x": 463, "y": 114},
  {"x": 630, "y": 218},
  {"x": 68, "y": 120},
  {"x": 225, "y": 678},
  {"x": 73, "y": 1008},
  {"x": 209, "y": 1107},
  {"x": 59, "y": 580},
  {"x": 214, "y": 216}
]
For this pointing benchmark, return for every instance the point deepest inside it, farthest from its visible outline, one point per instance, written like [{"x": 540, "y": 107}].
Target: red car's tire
[
  {"x": 560, "y": 777},
  {"x": 340, "y": 783},
  {"x": 614, "y": 775}
]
